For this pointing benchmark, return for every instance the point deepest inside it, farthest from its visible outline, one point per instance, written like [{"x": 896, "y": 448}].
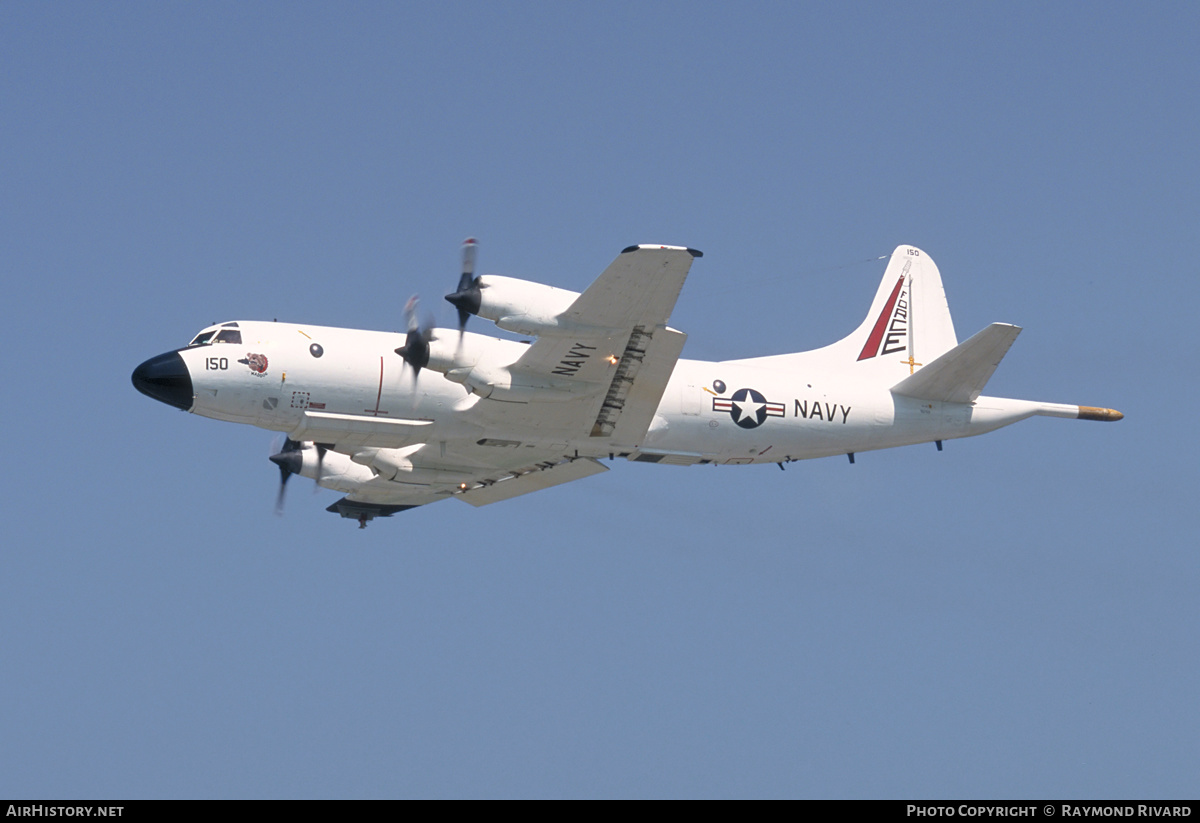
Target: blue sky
[{"x": 1013, "y": 617}]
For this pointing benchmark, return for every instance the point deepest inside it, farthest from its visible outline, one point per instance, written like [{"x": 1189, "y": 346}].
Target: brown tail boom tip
[{"x": 1093, "y": 413}]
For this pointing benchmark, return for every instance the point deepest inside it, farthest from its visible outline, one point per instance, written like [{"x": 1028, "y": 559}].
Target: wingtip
[{"x": 689, "y": 250}]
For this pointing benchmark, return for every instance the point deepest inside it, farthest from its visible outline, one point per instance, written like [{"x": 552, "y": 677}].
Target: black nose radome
[{"x": 165, "y": 378}]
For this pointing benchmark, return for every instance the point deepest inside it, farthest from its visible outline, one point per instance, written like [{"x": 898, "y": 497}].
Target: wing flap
[{"x": 629, "y": 407}]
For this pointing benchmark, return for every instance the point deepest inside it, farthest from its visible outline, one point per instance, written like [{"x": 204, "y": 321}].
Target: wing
[
  {"x": 593, "y": 386},
  {"x": 472, "y": 472},
  {"x": 615, "y": 361}
]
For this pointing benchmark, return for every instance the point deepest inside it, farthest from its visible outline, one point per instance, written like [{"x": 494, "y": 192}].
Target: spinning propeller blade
[
  {"x": 467, "y": 298},
  {"x": 290, "y": 460},
  {"x": 415, "y": 350}
]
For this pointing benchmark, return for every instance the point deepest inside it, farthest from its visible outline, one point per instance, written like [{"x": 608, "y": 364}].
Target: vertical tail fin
[
  {"x": 909, "y": 318},
  {"x": 908, "y": 325}
]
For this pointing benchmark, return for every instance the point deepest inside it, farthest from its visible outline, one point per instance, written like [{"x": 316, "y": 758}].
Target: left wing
[{"x": 475, "y": 473}]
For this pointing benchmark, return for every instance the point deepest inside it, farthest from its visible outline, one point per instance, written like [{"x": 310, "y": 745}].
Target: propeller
[
  {"x": 290, "y": 460},
  {"x": 468, "y": 297},
  {"x": 415, "y": 350},
  {"x": 321, "y": 449}
]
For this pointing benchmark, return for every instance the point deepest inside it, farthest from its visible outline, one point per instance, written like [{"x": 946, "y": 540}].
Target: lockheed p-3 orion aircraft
[{"x": 396, "y": 421}]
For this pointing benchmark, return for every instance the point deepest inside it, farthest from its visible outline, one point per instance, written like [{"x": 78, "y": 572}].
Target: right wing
[
  {"x": 620, "y": 352},
  {"x": 592, "y": 385}
]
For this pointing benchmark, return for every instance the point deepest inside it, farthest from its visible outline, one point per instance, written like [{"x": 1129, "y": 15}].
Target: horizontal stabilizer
[{"x": 959, "y": 375}]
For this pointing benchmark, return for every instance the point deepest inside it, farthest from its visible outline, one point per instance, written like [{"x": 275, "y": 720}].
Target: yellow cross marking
[{"x": 910, "y": 362}]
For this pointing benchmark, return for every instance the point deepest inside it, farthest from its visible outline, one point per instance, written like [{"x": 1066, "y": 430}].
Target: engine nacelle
[
  {"x": 451, "y": 352},
  {"x": 395, "y": 465},
  {"x": 496, "y": 383},
  {"x": 481, "y": 365},
  {"x": 335, "y": 470},
  {"x": 522, "y": 306}
]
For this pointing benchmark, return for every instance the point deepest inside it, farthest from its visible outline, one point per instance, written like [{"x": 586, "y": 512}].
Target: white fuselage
[{"x": 284, "y": 375}]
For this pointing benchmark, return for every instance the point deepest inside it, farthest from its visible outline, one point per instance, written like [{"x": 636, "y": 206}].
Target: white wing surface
[
  {"x": 615, "y": 351},
  {"x": 589, "y": 387}
]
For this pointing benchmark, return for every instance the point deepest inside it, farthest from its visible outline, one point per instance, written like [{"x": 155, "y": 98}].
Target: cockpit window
[{"x": 225, "y": 333}]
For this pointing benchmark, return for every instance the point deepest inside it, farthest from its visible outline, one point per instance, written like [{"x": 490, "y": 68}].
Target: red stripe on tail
[{"x": 872, "y": 347}]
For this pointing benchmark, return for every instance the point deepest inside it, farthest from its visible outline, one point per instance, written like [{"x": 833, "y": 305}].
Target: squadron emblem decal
[
  {"x": 256, "y": 362},
  {"x": 748, "y": 408}
]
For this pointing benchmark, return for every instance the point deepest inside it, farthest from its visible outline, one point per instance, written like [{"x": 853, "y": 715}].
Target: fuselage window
[{"x": 229, "y": 336}]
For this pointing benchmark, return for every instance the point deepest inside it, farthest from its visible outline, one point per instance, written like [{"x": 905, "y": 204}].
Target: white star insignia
[{"x": 748, "y": 408}]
